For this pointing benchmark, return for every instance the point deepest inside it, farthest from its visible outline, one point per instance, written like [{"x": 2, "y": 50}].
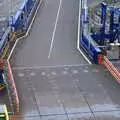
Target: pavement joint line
[
  {"x": 56, "y": 66},
  {"x": 75, "y": 113},
  {"x": 45, "y": 115},
  {"x": 86, "y": 101},
  {"x": 105, "y": 111},
  {"x": 78, "y": 39},
  {"x": 29, "y": 28},
  {"x": 54, "y": 31},
  {"x": 92, "y": 112},
  {"x": 48, "y": 115},
  {"x": 66, "y": 113},
  {"x": 34, "y": 97}
]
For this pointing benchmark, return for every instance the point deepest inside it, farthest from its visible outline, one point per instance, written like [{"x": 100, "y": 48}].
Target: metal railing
[{"x": 113, "y": 70}]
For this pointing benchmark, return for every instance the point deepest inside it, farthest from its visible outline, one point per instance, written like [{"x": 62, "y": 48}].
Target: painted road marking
[
  {"x": 54, "y": 31},
  {"x": 54, "y": 66}
]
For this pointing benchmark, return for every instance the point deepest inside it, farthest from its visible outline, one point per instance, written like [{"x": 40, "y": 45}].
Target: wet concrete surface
[
  {"x": 116, "y": 63},
  {"x": 64, "y": 86},
  {"x": 70, "y": 92}
]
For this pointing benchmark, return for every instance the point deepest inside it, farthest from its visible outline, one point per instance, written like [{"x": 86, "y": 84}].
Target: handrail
[
  {"x": 113, "y": 70},
  {"x": 13, "y": 89}
]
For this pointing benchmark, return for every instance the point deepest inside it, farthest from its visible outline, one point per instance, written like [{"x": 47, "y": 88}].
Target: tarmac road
[
  {"x": 53, "y": 80},
  {"x": 35, "y": 49}
]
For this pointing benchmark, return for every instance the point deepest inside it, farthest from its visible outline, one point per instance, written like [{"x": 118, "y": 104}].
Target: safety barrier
[
  {"x": 18, "y": 26},
  {"x": 12, "y": 89},
  {"x": 113, "y": 70},
  {"x": 21, "y": 20},
  {"x": 30, "y": 17},
  {"x": 4, "y": 40},
  {"x": 91, "y": 50}
]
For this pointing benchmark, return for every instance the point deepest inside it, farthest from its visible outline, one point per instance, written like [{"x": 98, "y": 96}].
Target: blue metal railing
[{"x": 18, "y": 23}]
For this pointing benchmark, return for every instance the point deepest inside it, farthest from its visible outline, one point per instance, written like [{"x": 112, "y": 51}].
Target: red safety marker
[
  {"x": 113, "y": 70},
  {"x": 100, "y": 59}
]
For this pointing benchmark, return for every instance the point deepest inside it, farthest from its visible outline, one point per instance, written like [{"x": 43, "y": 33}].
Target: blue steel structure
[
  {"x": 114, "y": 25},
  {"x": 21, "y": 21},
  {"x": 96, "y": 44},
  {"x": 87, "y": 43},
  {"x": 18, "y": 23}
]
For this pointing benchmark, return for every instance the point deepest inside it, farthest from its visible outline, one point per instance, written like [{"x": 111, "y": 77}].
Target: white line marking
[
  {"x": 55, "y": 66},
  {"x": 26, "y": 32},
  {"x": 78, "y": 40},
  {"x": 54, "y": 31},
  {"x": 84, "y": 56}
]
